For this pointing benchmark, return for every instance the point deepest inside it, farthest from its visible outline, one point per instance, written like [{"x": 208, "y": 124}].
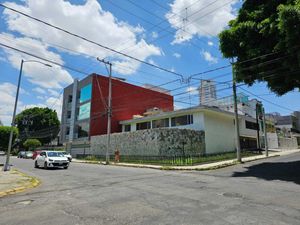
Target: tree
[
  {"x": 38, "y": 123},
  {"x": 31, "y": 144},
  {"x": 265, "y": 41},
  {"x": 4, "y": 136}
]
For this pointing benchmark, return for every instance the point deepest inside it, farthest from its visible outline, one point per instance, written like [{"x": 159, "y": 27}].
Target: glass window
[
  {"x": 160, "y": 123},
  {"x": 86, "y": 93},
  {"x": 127, "y": 128},
  {"x": 251, "y": 125},
  {"x": 70, "y": 98},
  {"x": 83, "y": 129},
  {"x": 84, "y": 111},
  {"x": 181, "y": 120},
  {"x": 143, "y": 126}
]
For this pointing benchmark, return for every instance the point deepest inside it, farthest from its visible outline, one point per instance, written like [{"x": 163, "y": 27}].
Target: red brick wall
[{"x": 127, "y": 100}]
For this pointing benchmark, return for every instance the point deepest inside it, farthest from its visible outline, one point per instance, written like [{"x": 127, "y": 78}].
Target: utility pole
[
  {"x": 257, "y": 127},
  {"x": 6, "y": 166},
  {"x": 109, "y": 109},
  {"x": 265, "y": 133},
  {"x": 236, "y": 117}
]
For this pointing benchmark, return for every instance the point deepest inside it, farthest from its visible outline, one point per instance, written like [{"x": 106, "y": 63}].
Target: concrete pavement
[{"x": 259, "y": 192}]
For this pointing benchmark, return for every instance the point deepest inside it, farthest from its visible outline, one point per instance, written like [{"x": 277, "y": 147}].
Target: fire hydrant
[{"x": 117, "y": 156}]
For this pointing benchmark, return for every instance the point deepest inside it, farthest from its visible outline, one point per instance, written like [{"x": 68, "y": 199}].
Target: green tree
[
  {"x": 4, "y": 136},
  {"x": 31, "y": 144},
  {"x": 38, "y": 123},
  {"x": 268, "y": 33}
]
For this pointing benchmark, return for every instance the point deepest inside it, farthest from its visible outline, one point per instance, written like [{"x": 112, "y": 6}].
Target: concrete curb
[{"x": 33, "y": 182}]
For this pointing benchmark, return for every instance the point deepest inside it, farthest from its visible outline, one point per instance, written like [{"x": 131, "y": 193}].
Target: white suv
[{"x": 49, "y": 159}]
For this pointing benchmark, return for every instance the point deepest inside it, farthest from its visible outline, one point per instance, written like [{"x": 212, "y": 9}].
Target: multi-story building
[
  {"x": 207, "y": 92},
  {"x": 84, "y": 111}
]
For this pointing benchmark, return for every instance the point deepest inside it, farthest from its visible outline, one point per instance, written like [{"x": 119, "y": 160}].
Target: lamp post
[{"x": 6, "y": 166}]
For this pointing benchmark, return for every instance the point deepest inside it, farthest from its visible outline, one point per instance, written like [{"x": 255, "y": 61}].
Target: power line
[{"x": 90, "y": 41}]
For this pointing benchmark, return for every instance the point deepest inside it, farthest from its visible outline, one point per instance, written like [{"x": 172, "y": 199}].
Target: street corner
[{"x": 14, "y": 181}]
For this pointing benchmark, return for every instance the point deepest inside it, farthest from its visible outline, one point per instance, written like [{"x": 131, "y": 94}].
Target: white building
[
  {"x": 218, "y": 125},
  {"x": 207, "y": 92}
]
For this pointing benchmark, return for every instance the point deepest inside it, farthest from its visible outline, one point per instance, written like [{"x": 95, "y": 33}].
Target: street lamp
[{"x": 6, "y": 166}]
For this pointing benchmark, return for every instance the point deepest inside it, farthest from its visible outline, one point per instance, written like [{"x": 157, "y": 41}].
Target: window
[
  {"x": 83, "y": 129},
  {"x": 86, "y": 93},
  {"x": 127, "y": 128},
  {"x": 70, "y": 97},
  {"x": 67, "y": 130},
  {"x": 160, "y": 123},
  {"x": 143, "y": 126},
  {"x": 251, "y": 125},
  {"x": 84, "y": 111},
  {"x": 68, "y": 114},
  {"x": 181, "y": 120}
]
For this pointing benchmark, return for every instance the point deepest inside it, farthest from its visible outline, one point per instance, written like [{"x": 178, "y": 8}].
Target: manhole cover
[
  {"x": 25, "y": 202},
  {"x": 232, "y": 195}
]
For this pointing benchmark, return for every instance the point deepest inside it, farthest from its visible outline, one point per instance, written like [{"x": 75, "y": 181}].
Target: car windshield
[
  {"x": 55, "y": 154},
  {"x": 64, "y": 153}
]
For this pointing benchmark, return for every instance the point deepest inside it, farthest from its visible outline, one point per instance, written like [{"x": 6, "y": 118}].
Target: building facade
[
  {"x": 84, "y": 110},
  {"x": 218, "y": 126},
  {"x": 207, "y": 92}
]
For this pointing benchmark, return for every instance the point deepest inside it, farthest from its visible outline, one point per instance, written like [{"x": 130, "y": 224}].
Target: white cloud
[
  {"x": 176, "y": 55},
  {"x": 205, "y": 18},
  {"x": 53, "y": 93},
  {"x": 210, "y": 43},
  {"x": 154, "y": 34},
  {"x": 88, "y": 20},
  {"x": 192, "y": 90},
  {"x": 36, "y": 73},
  {"x": 39, "y": 90},
  {"x": 208, "y": 57}
]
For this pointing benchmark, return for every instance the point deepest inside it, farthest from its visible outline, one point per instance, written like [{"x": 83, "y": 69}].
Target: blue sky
[{"x": 179, "y": 35}]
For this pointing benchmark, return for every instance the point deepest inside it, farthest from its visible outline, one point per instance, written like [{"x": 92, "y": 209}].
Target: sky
[{"x": 178, "y": 35}]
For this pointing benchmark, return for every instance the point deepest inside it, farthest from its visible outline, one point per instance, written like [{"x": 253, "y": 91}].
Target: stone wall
[
  {"x": 153, "y": 142},
  {"x": 287, "y": 143}
]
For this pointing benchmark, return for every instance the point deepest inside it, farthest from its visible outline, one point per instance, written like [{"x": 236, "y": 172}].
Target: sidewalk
[
  {"x": 207, "y": 166},
  {"x": 13, "y": 181}
]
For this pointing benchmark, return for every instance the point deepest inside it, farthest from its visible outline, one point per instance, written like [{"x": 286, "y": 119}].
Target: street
[{"x": 260, "y": 192}]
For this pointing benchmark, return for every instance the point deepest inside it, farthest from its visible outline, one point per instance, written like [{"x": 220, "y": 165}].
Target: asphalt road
[{"x": 261, "y": 192}]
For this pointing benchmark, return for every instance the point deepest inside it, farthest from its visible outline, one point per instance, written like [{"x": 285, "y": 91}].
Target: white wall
[
  {"x": 219, "y": 133},
  {"x": 272, "y": 140},
  {"x": 247, "y": 132}
]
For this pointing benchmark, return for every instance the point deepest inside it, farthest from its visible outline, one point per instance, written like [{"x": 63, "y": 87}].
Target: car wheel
[
  {"x": 66, "y": 167},
  {"x": 36, "y": 165},
  {"x": 45, "y": 165}
]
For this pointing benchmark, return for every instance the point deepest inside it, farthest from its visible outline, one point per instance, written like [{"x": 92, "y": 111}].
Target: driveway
[{"x": 261, "y": 192}]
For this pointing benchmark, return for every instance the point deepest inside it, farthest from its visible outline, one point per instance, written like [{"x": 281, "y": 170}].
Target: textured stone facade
[{"x": 153, "y": 142}]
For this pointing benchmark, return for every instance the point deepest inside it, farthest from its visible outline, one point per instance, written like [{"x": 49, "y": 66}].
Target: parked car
[
  {"x": 49, "y": 159},
  {"x": 28, "y": 155},
  {"x": 21, "y": 154},
  {"x": 36, "y": 153},
  {"x": 68, "y": 155}
]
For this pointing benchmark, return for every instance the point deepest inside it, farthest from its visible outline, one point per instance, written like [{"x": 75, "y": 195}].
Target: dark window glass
[
  {"x": 68, "y": 131},
  {"x": 70, "y": 97},
  {"x": 160, "y": 123},
  {"x": 251, "y": 125},
  {"x": 83, "y": 129},
  {"x": 69, "y": 114},
  {"x": 181, "y": 120},
  {"x": 127, "y": 128},
  {"x": 143, "y": 126}
]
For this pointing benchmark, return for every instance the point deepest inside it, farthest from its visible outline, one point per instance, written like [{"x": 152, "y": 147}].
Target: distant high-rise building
[{"x": 207, "y": 92}]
